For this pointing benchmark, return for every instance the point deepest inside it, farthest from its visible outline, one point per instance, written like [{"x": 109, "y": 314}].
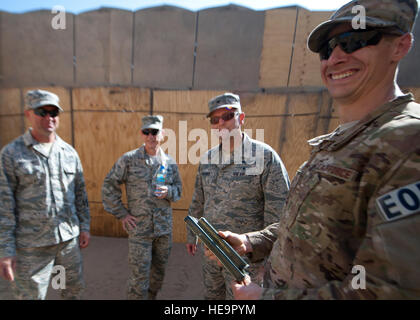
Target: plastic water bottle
[{"x": 160, "y": 178}]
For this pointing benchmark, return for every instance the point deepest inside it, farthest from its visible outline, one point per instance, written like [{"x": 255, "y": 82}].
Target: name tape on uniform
[{"x": 400, "y": 203}]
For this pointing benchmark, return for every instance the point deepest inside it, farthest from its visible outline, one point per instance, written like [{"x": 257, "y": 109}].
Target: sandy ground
[{"x": 106, "y": 271}]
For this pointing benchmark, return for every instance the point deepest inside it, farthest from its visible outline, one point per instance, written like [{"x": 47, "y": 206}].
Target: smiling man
[
  {"x": 44, "y": 212},
  {"x": 148, "y": 216},
  {"x": 230, "y": 193},
  {"x": 350, "y": 228}
]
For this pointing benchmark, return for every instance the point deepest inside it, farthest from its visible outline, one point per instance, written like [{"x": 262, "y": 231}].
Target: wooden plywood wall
[
  {"x": 277, "y": 52},
  {"x": 115, "y": 72},
  {"x": 104, "y": 122},
  {"x": 107, "y": 124},
  {"x": 183, "y": 111},
  {"x": 11, "y": 120},
  {"x": 285, "y": 60},
  {"x": 305, "y": 64}
]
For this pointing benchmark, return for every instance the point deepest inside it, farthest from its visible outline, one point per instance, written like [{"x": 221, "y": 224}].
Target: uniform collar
[
  {"x": 29, "y": 141},
  {"x": 163, "y": 158},
  {"x": 335, "y": 140},
  {"x": 215, "y": 154}
]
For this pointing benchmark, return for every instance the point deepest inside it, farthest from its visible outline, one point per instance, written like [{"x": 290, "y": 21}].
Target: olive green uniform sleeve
[
  {"x": 175, "y": 187},
  {"x": 7, "y": 209},
  {"x": 196, "y": 208},
  {"x": 81, "y": 199},
  {"x": 389, "y": 255},
  {"x": 111, "y": 189}
]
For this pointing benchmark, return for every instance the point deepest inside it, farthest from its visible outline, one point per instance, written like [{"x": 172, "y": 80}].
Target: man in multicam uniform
[
  {"x": 351, "y": 225},
  {"x": 44, "y": 212},
  {"x": 148, "y": 217},
  {"x": 241, "y": 184}
]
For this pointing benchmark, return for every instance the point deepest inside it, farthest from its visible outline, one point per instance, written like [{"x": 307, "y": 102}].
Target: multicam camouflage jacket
[
  {"x": 240, "y": 195},
  {"x": 43, "y": 197},
  {"x": 136, "y": 169},
  {"x": 352, "y": 220}
]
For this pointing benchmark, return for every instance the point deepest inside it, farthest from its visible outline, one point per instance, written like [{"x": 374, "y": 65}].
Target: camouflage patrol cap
[
  {"x": 396, "y": 14},
  {"x": 38, "y": 98},
  {"x": 227, "y": 100},
  {"x": 152, "y": 122}
]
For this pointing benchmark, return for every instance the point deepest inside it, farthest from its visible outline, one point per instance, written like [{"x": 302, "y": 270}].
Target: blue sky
[{"x": 77, "y": 6}]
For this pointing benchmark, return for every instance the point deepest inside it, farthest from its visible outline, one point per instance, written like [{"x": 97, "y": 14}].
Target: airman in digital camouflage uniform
[
  {"x": 44, "y": 212},
  {"x": 148, "y": 217},
  {"x": 351, "y": 225},
  {"x": 241, "y": 184}
]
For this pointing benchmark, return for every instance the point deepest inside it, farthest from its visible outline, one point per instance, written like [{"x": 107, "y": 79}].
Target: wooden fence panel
[
  {"x": 277, "y": 48},
  {"x": 105, "y": 123},
  {"x": 10, "y": 128},
  {"x": 305, "y": 64}
]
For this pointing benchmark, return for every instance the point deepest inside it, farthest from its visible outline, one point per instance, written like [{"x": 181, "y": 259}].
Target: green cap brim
[
  {"x": 320, "y": 34},
  {"x": 44, "y": 103},
  {"x": 226, "y": 106}
]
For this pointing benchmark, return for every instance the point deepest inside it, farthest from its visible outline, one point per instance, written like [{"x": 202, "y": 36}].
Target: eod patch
[{"x": 400, "y": 203}]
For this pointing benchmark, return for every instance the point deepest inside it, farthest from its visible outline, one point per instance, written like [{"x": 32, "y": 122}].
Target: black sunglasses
[
  {"x": 154, "y": 132},
  {"x": 226, "y": 117},
  {"x": 350, "y": 42},
  {"x": 43, "y": 112}
]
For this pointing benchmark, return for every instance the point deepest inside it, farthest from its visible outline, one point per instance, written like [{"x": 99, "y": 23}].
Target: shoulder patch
[
  {"x": 400, "y": 203},
  {"x": 338, "y": 172}
]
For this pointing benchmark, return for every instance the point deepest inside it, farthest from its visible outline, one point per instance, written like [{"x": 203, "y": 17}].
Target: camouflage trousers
[
  {"x": 217, "y": 279},
  {"x": 35, "y": 267},
  {"x": 147, "y": 260}
]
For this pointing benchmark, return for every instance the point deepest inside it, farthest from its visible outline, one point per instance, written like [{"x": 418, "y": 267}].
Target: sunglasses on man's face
[
  {"x": 226, "y": 117},
  {"x": 350, "y": 42},
  {"x": 43, "y": 112},
  {"x": 154, "y": 132}
]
